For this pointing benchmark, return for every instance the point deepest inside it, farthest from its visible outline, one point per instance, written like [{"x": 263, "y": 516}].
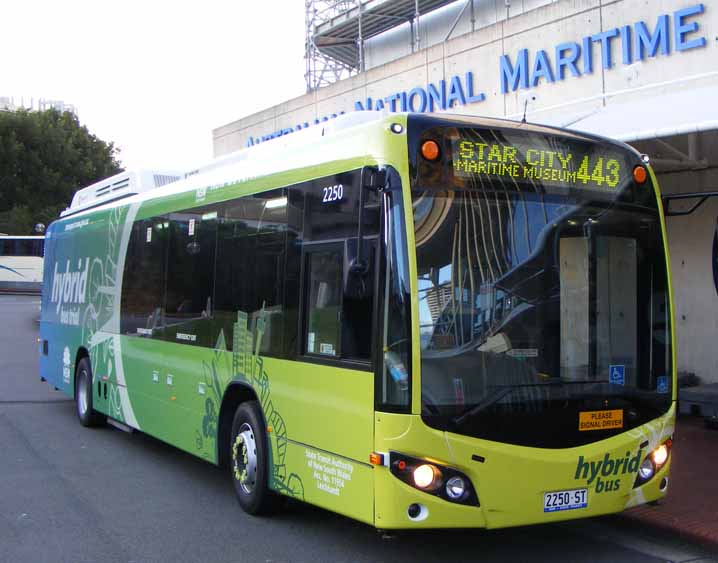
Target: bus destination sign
[{"x": 542, "y": 160}]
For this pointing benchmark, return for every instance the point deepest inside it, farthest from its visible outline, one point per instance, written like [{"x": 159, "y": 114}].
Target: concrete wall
[
  {"x": 691, "y": 246},
  {"x": 538, "y": 28}
]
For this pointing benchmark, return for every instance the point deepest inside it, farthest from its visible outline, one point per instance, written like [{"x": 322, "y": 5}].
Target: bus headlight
[
  {"x": 653, "y": 463},
  {"x": 660, "y": 455},
  {"x": 455, "y": 488},
  {"x": 433, "y": 478},
  {"x": 427, "y": 476},
  {"x": 646, "y": 471}
]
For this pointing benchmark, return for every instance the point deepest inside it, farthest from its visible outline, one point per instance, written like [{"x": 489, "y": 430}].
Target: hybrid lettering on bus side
[
  {"x": 607, "y": 467},
  {"x": 495, "y": 159},
  {"x": 70, "y": 288}
]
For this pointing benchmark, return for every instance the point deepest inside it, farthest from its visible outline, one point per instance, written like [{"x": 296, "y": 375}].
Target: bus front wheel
[
  {"x": 83, "y": 395},
  {"x": 249, "y": 460}
]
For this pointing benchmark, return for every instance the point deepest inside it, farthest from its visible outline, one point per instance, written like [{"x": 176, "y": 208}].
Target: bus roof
[
  {"x": 119, "y": 186},
  {"x": 276, "y": 155},
  {"x": 246, "y": 163}
]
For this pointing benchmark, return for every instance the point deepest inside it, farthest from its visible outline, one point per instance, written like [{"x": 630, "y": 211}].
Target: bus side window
[
  {"x": 393, "y": 391},
  {"x": 251, "y": 250},
  {"x": 336, "y": 310},
  {"x": 324, "y": 301},
  {"x": 143, "y": 280},
  {"x": 190, "y": 276}
]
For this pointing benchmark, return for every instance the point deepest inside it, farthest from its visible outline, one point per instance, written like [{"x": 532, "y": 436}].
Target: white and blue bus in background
[{"x": 21, "y": 263}]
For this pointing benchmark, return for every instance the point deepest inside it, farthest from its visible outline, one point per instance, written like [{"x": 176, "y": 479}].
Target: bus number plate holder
[{"x": 565, "y": 500}]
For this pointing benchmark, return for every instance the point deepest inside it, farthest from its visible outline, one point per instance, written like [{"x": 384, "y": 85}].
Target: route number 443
[{"x": 333, "y": 193}]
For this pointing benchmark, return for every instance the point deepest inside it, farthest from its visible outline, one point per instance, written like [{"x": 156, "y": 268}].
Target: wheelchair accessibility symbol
[
  {"x": 617, "y": 374},
  {"x": 662, "y": 384}
]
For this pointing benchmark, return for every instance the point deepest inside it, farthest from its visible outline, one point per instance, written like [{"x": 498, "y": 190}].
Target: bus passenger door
[{"x": 331, "y": 267}]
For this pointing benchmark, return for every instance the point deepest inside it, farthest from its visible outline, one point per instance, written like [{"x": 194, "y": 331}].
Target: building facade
[{"x": 642, "y": 71}]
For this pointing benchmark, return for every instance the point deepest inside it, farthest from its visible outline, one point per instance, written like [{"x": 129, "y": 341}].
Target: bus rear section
[{"x": 544, "y": 342}]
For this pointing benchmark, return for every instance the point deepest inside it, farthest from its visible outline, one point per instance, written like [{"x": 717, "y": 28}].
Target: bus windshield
[{"x": 542, "y": 288}]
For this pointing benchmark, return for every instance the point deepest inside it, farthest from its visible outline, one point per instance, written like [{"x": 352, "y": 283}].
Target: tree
[{"x": 46, "y": 156}]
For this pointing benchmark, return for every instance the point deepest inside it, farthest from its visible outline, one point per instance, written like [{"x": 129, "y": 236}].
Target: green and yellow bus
[{"x": 415, "y": 321}]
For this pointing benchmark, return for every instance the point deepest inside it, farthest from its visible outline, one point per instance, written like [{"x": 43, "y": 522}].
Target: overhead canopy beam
[
  {"x": 702, "y": 197},
  {"x": 681, "y": 160}
]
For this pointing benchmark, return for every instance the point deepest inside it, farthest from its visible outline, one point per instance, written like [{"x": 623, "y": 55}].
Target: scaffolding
[
  {"x": 322, "y": 69},
  {"x": 337, "y": 29}
]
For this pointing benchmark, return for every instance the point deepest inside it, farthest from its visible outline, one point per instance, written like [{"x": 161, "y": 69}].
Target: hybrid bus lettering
[{"x": 70, "y": 287}]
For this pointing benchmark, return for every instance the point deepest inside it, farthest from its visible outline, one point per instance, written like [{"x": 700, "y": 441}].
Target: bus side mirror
[
  {"x": 358, "y": 282},
  {"x": 357, "y": 258}
]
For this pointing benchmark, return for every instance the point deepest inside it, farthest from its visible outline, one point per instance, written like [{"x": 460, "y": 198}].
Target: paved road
[{"x": 72, "y": 494}]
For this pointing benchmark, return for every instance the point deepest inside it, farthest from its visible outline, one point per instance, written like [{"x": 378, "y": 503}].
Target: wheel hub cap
[
  {"x": 82, "y": 393},
  {"x": 244, "y": 455}
]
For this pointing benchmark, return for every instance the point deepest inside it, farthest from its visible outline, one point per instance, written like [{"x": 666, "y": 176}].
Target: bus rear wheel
[
  {"x": 83, "y": 395},
  {"x": 249, "y": 461}
]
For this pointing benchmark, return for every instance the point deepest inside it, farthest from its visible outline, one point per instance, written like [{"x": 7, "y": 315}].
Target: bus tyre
[
  {"x": 249, "y": 460},
  {"x": 83, "y": 395}
]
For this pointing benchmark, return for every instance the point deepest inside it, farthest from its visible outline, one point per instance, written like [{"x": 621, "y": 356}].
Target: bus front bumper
[{"x": 514, "y": 483}]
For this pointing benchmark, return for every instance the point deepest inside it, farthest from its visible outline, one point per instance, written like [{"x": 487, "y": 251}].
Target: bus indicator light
[
  {"x": 640, "y": 175},
  {"x": 376, "y": 459},
  {"x": 430, "y": 150}
]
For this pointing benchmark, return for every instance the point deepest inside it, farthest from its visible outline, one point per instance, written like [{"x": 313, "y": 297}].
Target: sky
[{"x": 155, "y": 77}]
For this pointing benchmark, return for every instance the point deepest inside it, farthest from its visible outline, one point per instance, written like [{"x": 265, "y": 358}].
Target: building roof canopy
[
  {"x": 338, "y": 37},
  {"x": 648, "y": 117}
]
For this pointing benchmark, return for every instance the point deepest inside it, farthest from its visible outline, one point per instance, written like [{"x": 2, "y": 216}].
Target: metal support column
[
  {"x": 458, "y": 17},
  {"x": 417, "y": 36},
  {"x": 360, "y": 38}
]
